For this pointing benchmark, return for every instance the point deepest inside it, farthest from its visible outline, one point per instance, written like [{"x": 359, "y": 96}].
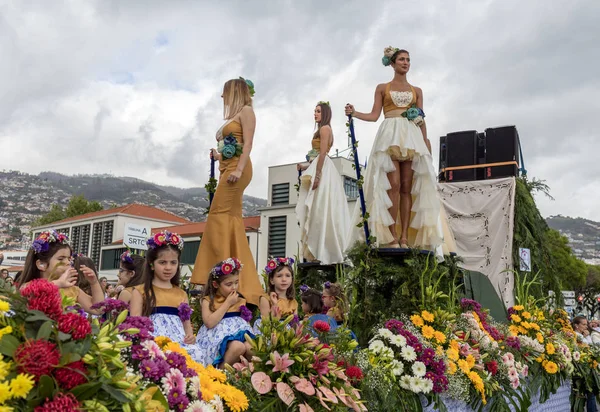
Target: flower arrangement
[
  {"x": 165, "y": 238},
  {"x": 388, "y": 53},
  {"x": 312, "y": 155},
  {"x": 250, "y": 86},
  {"x": 274, "y": 263},
  {"x": 126, "y": 257},
  {"x": 292, "y": 369},
  {"x": 229, "y": 147},
  {"x": 42, "y": 242},
  {"x": 414, "y": 114},
  {"x": 226, "y": 267}
]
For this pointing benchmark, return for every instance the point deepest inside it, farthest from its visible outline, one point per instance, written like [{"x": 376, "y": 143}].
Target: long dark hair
[
  {"x": 325, "y": 120},
  {"x": 313, "y": 299},
  {"x": 30, "y": 270},
  {"x": 149, "y": 295},
  {"x": 290, "y": 293},
  {"x": 210, "y": 291},
  {"x": 335, "y": 290},
  {"x": 397, "y": 53},
  {"x": 82, "y": 281},
  {"x": 137, "y": 267}
]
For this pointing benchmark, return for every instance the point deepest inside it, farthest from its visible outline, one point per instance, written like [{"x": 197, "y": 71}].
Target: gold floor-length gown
[{"x": 225, "y": 233}]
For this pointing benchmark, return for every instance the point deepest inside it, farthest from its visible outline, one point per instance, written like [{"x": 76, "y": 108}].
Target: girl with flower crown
[
  {"x": 50, "y": 258},
  {"x": 312, "y": 307},
  {"x": 322, "y": 208},
  {"x": 281, "y": 288},
  {"x": 221, "y": 338},
  {"x": 334, "y": 301},
  {"x": 131, "y": 270},
  {"x": 160, "y": 298},
  {"x": 399, "y": 183},
  {"x": 225, "y": 233}
]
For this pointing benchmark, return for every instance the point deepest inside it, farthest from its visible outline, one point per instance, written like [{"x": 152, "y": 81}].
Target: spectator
[
  {"x": 1, "y": 257},
  {"x": 104, "y": 283},
  {"x": 580, "y": 326},
  {"x": 3, "y": 274}
]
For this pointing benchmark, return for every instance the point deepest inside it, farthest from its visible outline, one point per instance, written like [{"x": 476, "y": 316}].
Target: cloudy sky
[{"x": 133, "y": 87}]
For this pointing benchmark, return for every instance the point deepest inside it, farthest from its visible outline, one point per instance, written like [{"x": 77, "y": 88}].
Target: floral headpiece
[
  {"x": 250, "y": 86},
  {"x": 225, "y": 267},
  {"x": 304, "y": 288},
  {"x": 321, "y": 102},
  {"x": 75, "y": 255},
  {"x": 327, "y": 285},
  {"x": 165, "y": 238},
  {"x": 42, "y": 242},
  {"x": 126, "y": 257},
  {"x": 276, "y": 262},
  {"x": 388, "y": 53}
]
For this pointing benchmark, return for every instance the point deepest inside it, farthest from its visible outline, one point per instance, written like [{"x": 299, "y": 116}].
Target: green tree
[
  {"x": 78, "y": 205},
  {"x": 571, "y": 271},
  {"x": 55, "y": 214}
]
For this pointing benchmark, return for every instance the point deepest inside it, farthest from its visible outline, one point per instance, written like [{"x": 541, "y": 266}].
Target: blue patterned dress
[
  {"x": 213, "y": 342},
  {"x": 165, "y": 317}
]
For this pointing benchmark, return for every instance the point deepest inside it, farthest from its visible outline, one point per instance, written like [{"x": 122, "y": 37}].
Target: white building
[{"x": 279, "y": 230}]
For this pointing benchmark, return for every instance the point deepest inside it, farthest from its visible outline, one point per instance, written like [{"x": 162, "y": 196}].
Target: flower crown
[
  {"x": 165, "y": 238},
  {"x": 250, "y": 86},
  {"x": 321, "y": 102},
  {"x": 388, "y": 53},
  {"x": 327, "y": 285},
  {"x": 42, "y": 242},
  {"x": 225, "y": 267},
  {"x": 276, "y": 262},
  {"x": 126, "y": 257}
]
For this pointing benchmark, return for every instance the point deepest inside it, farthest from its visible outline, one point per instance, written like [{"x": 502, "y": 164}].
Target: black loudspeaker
[
  {"x": 461, "y": 150},
  {"x": 481, "y": 155},
  {"x": 443, "y": 158},
  {"x": 502, "y": 145}
]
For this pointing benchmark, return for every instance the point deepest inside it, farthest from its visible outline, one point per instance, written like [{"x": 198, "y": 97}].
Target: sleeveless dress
[
  {"x": 287, "y": 307},
  {"x": 225, "y": 233},
  {"x": 165, "y": 316},
  {"x": 401, "y": 139},
  {"x": 213, "y": 342},
  {"x": 323, "y": 213}
]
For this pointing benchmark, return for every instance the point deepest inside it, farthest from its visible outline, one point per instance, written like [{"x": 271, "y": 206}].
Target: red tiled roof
[
  {"x": 133, "y": 209},
  {"x": 251, "y": 223}
]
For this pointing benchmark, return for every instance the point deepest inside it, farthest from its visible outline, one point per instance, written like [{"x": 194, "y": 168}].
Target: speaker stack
[{"x": 470, "y": 155}]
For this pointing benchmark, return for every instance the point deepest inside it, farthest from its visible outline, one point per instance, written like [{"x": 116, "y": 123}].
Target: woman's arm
[
  {"x": 375, "y": 111},
  {"x": 325, "y": 137},
  {"x": 423, "y": 125},
  {"x": 136, "y": 304},
  {"x": 248, "y": 122}
]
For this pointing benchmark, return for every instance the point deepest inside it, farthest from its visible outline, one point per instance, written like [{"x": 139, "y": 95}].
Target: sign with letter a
[{"x": 135, "y": 236}]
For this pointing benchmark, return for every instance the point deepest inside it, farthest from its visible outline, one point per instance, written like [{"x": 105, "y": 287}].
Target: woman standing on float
[
  {"x": 400, "y": 186},
  {"x": 225, "y": 233},
  {"x": 322, "y": 208}
]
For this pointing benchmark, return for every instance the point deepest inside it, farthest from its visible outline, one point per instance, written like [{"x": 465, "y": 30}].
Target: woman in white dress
[
  {"x": 400, "y": 185},
  {"x": 322, "y": 207}
]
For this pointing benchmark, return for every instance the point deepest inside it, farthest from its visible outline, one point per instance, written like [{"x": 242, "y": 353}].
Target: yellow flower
[
  {"x": 522, "y": 330},
  {"x": 427, "y": 332},
  {"x": 539, "y": 337},
  {"x": 470, "y": 361},
  {"x": 4, "y": 369},
  {"x": 4, "y": 392},
  {"x": 594, "y": 364},
  {"x": 451, "y": 368},
  {"x": 439, "y": 337},
  {"x": 525, "y": 324},
  {"x": 526, "y": 315},
  {"x": 427, "y": 316},
  {"x": 518, "y": 307},
  {"x": 540, "y": 358},
  {"x": 515, "y": 318},
  {"x": 478, "y": 384},
  {"x": 6, "y": 409},
  {"x": 534, "y": 326},
  {"x": 5, "y": 331},
  {"x": 439, "y": 350},
  {"x": 417, "y": 320},
  {"x": 540, "y": 316},
  {"x": 216, "y": 374},
  {"x": 235, "y": 399},
  {"x": 514, "y": 330},
  {"x": 161, "y": 341},
  {"x": 454, "y": 345},
  {"x": 550, "y": 349},
  {"x": 551, "y": 368},
  {"x": 452, "y": 354},
  {"x": 464, "y": 366},
  {"x": 4, "y": 306},
  {"x": 21, "y": 385}
]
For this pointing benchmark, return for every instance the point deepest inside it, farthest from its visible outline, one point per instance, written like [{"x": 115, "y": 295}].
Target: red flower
[
  {"x": 492, "y": 367},
  {"x": 226, "y": 268},
  {"x": 43, "y": 296},
  {"x": 321, "y": 326},
  {"x": 61, "y": 403},
  {"x": 354, "y": 373},
  {"x": 71, "y": 375},
  {"x": 37, "y": 357},
  {"x": 74, "y": 324}
]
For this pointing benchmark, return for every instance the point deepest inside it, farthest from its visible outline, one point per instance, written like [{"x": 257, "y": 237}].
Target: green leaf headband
[
  {"x": 250, "y": 86},
  {"x": 322, "y": 102}
]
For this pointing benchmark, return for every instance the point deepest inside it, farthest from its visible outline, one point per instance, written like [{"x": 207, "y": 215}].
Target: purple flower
[
  {"x": 245, "y": 313},
  {"x": 138, "y": 352},
  {"x": 304, "y": 288},
  {"x": 139, "y": 322},
  {"x": 513, "y": 342},
  {"x": 185, "y": 311},
  {"x": 295, "y": 321},
  {"x": 40, "y": 246},
  {"x": 78, "y": 309},
  {"x": 177, "y": 399},
  {"x": 112, "y": 307},
  {"x": 154, "y": 369},
  {"x": 176, "y": 360},
  {"x": 327, "y": 285}
]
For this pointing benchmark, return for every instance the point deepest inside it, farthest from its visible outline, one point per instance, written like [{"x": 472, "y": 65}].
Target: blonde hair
[{"x": 236, "y": 95}]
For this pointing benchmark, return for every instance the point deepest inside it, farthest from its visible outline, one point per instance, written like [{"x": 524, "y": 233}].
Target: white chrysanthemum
[
  {"x": 217, "y": 403},
  {"x": 427, "y": 385},
  {"x": 419, "y": 369},
  {"x": 387, "y": 352},
  {"x": 408, "y": 353},
  {"x": 416, "y": 385},
  {"x": 385, "y": 333},
  {"x": 200, "y": 406},
  {"x": 397, "y": 367},
  {"x": 194, "y": 387},
  {"x": 576, "y": 356},
  {"x": 398, "y": 340},
  {"x": 405, "y": 382},
  {"x": 376, "y": 346}
]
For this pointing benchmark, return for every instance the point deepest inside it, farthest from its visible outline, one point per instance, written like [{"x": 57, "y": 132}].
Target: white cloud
[{"x": 133, "y": 88}]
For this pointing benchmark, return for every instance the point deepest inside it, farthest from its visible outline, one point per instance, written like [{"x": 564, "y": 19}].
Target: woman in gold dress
[{"x": 225, "y": 233}]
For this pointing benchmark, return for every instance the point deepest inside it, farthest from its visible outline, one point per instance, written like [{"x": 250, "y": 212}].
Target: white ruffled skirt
[
  {"x": 323, "y": 215},
  {"x": 428, "y": 228}
]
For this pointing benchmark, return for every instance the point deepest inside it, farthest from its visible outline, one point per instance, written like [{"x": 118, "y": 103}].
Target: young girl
[
  {"x": 160, "y": 297},
  {"x": 50, "y": 258},
  {"x": 281, "y": 288},
  {"x": 312, "y": 307},
  {"x": 80, "y": 260},
  {"x": 130, "y": 275},
  {"x": 334, "y": 301},
  {"x": 221, "y": 337}
]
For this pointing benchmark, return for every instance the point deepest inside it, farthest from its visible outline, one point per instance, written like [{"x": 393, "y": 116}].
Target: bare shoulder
[
  {"x": 381, "y": 87},
  {"x": 326, "y": 129},
  {"x": 418, "y": 90},
  {"x": 247, "y": 111}
]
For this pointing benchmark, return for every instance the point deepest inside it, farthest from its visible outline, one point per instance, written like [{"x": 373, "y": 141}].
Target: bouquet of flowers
[{"x": 229, "y": 147}]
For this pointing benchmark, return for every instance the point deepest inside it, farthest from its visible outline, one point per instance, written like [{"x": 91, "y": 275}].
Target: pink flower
[
  {"x": 304, "y": 386},
  {"x": 512, "y": 373},
  {"x": 328, "y": 394},
  {"x": 321, "y": 326},
  {"x": 322, "y": 400},
  {"x": 173, "y": 380},
  {"x": 525, "y": 371},
  {"x": 226, "y": 268},
  {"x": 281, "y": 363},
  {"x": 305, "y": 408},
  {"x": 285, "y": 392},
  {"x": 261, "y": 382},
  {"x": 515, "y": 383}
]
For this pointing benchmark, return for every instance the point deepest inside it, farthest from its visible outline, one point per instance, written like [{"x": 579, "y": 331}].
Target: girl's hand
[
  {"x": 232, "y": 299},
  {"x": 189, "y": 339},
  {"x": 89, "y": 274},
  {"x": 274, "y": 298},
  {"x": 67, "y": 279},
  {"x": 349, "y": 109},
  {"x": 119, "y": 288},
  {"x": 234, "y": 176},
  {"x": 214, "y": 154}
]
